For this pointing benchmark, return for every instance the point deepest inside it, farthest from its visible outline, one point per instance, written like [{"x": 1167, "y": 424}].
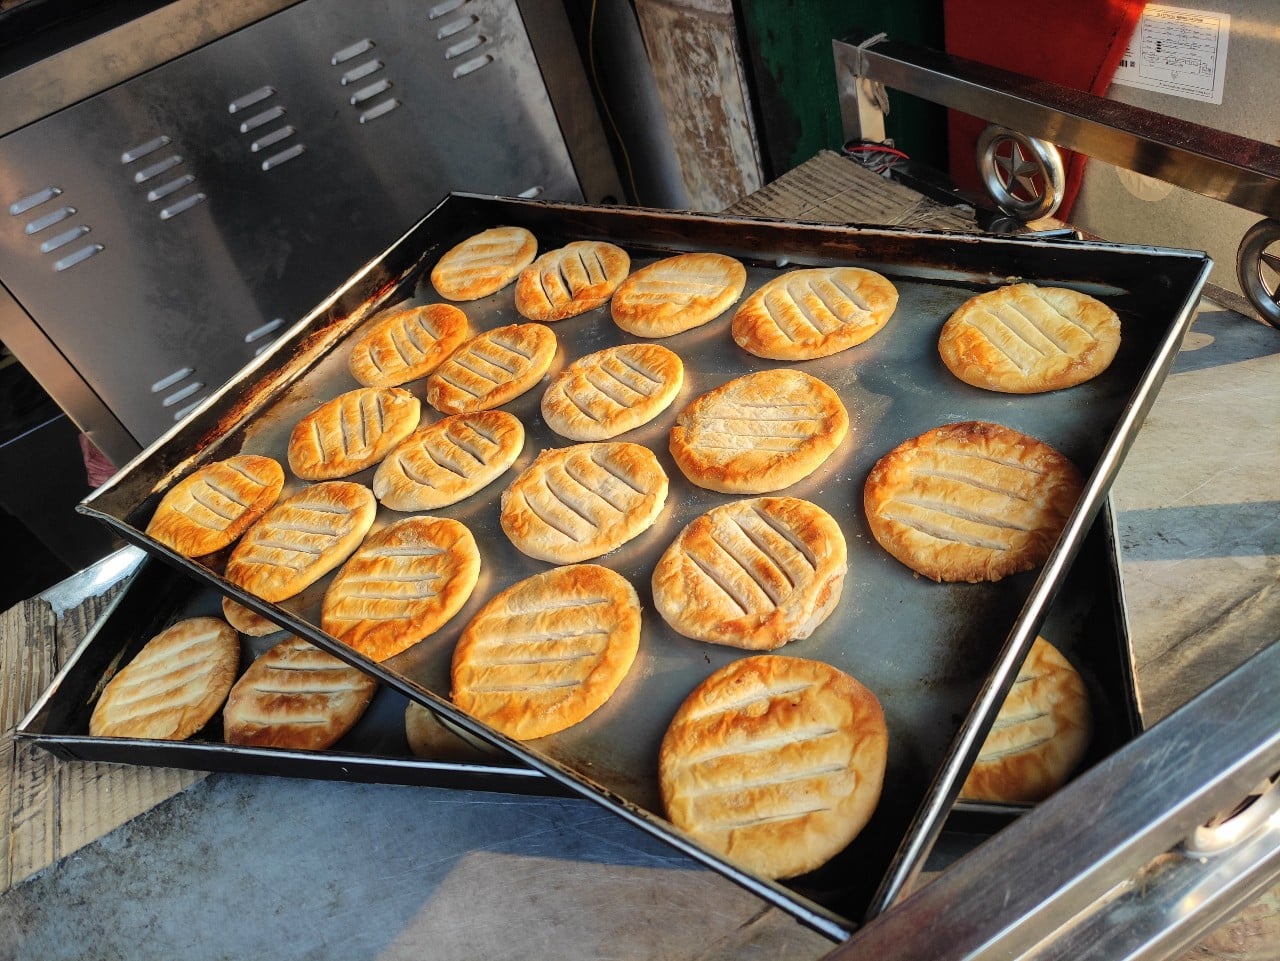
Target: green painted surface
[{"x": 794, "y": 78}]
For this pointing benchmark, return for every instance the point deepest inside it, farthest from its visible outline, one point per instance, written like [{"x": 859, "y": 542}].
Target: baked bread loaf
[
  {"x": 402, "y": 584},
  {"x": 753, "y": 574},
  {"x": 758, "y": 433},
  {"x": 492, "y": 368},
  {"x": 353, "y": 431},
  {"x": 436, "y": 739},
  {"x": 1024, "y": 339},
  {"x": 249, "y": 622},
  {"x": 577, "y": 277},
  {"x": 173, "y": 686},
  {"x": 1040, "y": 734},
  {"x": 211, "y": 507},
  {"x": 452, "y": 459},
  {"x": 775, "y": 763},
  {"x": 575, "y": 503},
  {"x": 484, "y": 263},
  {"x": 972, "y": 501},
  {"x": 302, "y": 539},
  {"x": 296, "y": 696},
  {"x": 677, "y": 294},
  {"x": 405, "y": 344},
  {"x": 548, "y": 651},
  {"x": 814, "y": 312},
  {"x": 612, "y": 391}
]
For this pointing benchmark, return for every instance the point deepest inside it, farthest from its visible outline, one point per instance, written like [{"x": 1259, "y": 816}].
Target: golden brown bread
[
  {"x": 249, "y": 622},
  {"x": 575, "y": 503},
  {"x": 296, "y": 696},
  {"x": 405, "y": 344},
  {"x": 492, "y": 368},
  {"x": 677, "y": 294},
  {"x": 210, "y": 508},
  {"x": 436, "y": 739},
  {"x": 758, "y": 433},
  {"x": 301, "y": 539},
  {"x": 484, "y": 263},
  {"x": 548, "y": 651},
  {"x": 353, "y": 431},
  {"x": 1040, "y": 734},
  {"x": 814, "y": 312},
  {"x": 612, "y": 391},
  {"x": 776, "y": 763},
  {"x": 972, "y": 501},
  {"x": 401, "y": 585},
  {"x": 1024, "y": 339},
  {"x": 173, "y": 686},
  {"x": 451, "y": 459},
  {"x": 577, "y": 277},
  {"x": 753, "y": 574}
]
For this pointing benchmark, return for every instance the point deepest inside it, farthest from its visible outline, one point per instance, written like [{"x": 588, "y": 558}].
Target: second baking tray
[{"x": 939, "y": 657}]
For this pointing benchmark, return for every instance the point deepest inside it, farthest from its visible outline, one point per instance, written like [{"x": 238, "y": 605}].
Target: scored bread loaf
[
  {"x": 547, "y": 652},
  {"x": 492, "y": 368},
  {"x": 753, "y": 574},
  {"x": 484, "y": 263},
  {"x": 1025, "y": 339},
  {"x": 612, "y": 391},
  {"x": 1040, "y": 734},
  {"x": 301, "y": 539},
  {"x": 677, "y": 294},
  {"x": 296, "y": 696},
  {"x": 353, "y": 431},
  {"x": 972, "y": 501},
  {"x": 814, "y": 312},
  {"x": 173, "y": 686},
  {"x": 575, "y": 503},
  {"x": 450, "y": 460},
  {"x": 774, "y": 762},
  {"x": 401, "y": 585},
  {"x": 758, "y": 433},
  {"x": 577, "y": 277},
  {"x": 405, "y": 344},
  {"x": 210, "y": 508}
]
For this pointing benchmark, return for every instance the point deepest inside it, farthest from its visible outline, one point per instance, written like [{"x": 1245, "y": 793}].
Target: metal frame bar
[{"x": 1236, "y": 170}]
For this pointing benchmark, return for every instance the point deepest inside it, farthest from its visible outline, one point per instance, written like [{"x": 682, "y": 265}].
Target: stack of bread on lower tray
[{"x": 776, "y": 762}]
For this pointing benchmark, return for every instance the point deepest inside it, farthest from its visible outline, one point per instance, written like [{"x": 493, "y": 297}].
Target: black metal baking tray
[{"x": 940, "y": 657}]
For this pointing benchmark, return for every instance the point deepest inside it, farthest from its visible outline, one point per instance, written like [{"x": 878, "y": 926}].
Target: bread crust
[
  {"x": 1025, "y": 339},
  {"x": 612, "y": 391},
  {"x": 484, "y": 263},
  {"x": 405, "y": 344},
  {"x": 402, "y": 584},
  {"x": 301, "y": 539},
  {"x": 972, "y": 501},
  {"x": 547, "y": 652},
  {"x": 173, "y": 686},
  {"x": 296, "y": 696},
  {"x": 435, "y": 739},
  {"x": 1040, "y": 735},
  {"x": 575, "y": 503},
  {"x": 562, "y": 283},
  {"x": 814, "y": 312},
  {"x": 492, "y": 368},
  {"x": 758, "y": 433},
  {"x": 207, "y": 510},
  {"x": 248, "y": 621},
  {"x": 353, "y": 431},
  {"x": 754, "y": 574},
  {"x": 677, "y": 293},
  {"x": 775, "y": 763}
]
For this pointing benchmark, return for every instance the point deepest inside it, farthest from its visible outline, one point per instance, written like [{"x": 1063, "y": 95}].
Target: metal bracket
[{"x": 1023, "y": 175}]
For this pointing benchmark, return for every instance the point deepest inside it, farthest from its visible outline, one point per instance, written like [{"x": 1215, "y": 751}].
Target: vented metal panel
[{"x": 161, "y": 233}]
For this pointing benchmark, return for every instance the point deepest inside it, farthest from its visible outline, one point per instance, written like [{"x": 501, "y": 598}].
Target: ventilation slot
[
  {"x": 369, "y": 98},
  {"x": 152, "y": 164},
  {"x": 265, "y": 331},
  {"x": 179, "y": 388},
  {"x": 461, "y": 38},
  {"x": 264, "y": 127},
  {"x": 38, "y": 228}
]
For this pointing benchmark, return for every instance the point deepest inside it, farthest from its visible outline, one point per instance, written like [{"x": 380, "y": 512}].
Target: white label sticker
[{"x": 1179, "y": 52}]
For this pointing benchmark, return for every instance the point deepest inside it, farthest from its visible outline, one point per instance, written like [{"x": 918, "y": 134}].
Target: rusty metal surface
[{"x": 938, "y": 656}]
